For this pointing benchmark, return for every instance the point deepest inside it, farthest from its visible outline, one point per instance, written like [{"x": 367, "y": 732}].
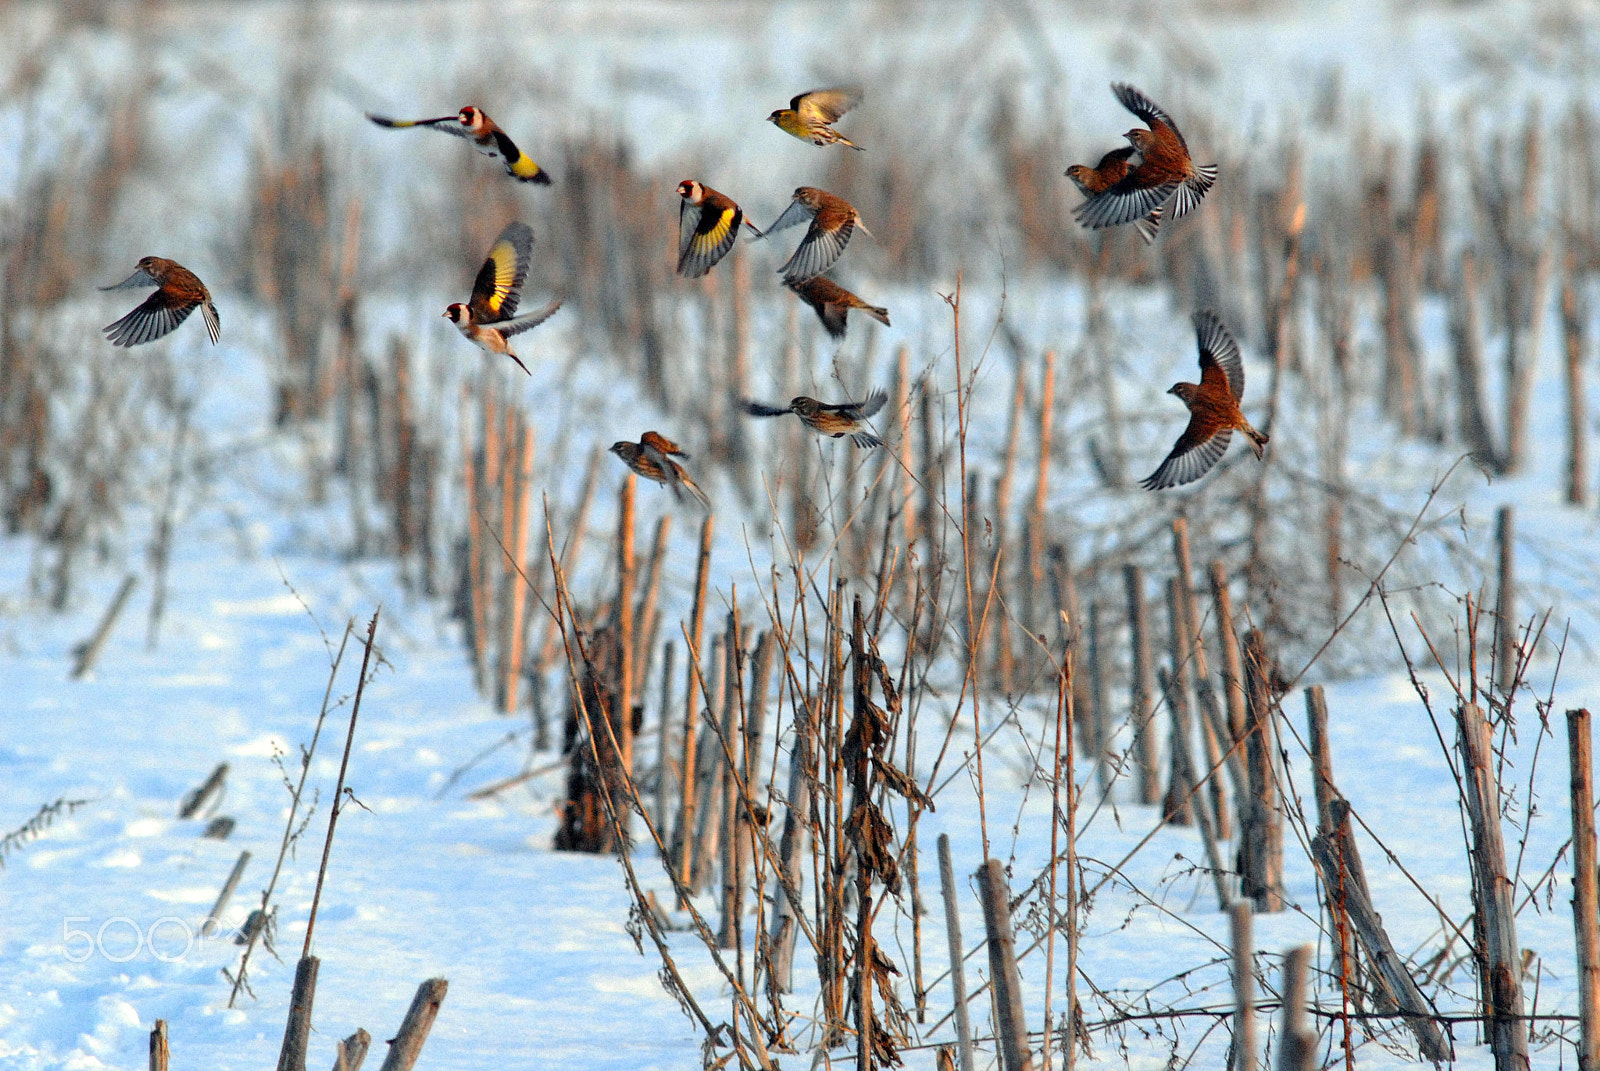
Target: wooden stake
[
  {"x": 413, "y": 1032},
  {"x": 1244, "y": 988},
  {"x": 1005, "y": 985},
  {"x": 1178, "y": 806},
  {"x": 1585, "y": 913},
  {"x": 1142, "y": 687},
  {"x": 1261, "y": 827},
  {"x": 1297, "y": 1044},
  {"x": 683, "y": 841},
  {"x": 1505, "y": 647},
  {"x": 1572, "y": 322},
  {"x": 212, "y": 920},
  {"x": 87, "y": 653},
  {"x": 297, "y": 1030},
  {"x": 958, "y": 973},
  {"x": 351, "y": 1053},
  {"x": 196, "y": 798},
  {"x": 1499, "y": 957},
  {"x": 159, "y": 1053}
]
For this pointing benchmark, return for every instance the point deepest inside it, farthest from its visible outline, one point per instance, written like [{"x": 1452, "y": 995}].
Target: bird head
[
  {"x": 625, "y": 450},
  {"x": 459, "y": 314},
  {"x": 1139, "y": 138},
  {"x": 776, "y": 116},
  {"x": 691, "y": 191},
  {"x": 1079, "y": 174},
  {"x": 469, "y": 116},
  {"x": 803, "y": 406},
  {"x": 1185, "y": 391}
]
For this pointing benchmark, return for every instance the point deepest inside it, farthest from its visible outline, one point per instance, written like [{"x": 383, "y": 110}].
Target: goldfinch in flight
[
  {"x": 648, "y": 458},
  {"x": 1213, "y": 409},
  {"x": 470, "y": 122},
  {"x": 811, "y": 115},
  {"x": 833, "y": 220},
  {"x": 833, "y": 303},
  {"x": 488, "y": 318},
  {"x": 835, "y": 419},
  {"x": 708, "y": 224},
  {"x": 178, "y": 293},
  {"x": 1165, "y": 173}
]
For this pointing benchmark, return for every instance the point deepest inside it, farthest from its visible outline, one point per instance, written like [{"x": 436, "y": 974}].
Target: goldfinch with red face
[
  {"x": 488, "y": 318},
  {"x": 178, "y": 293},
  {"x": 811, "y": 115},
  {"x": 708, "y": 224},
  {"x": 833, "y": 220},
  {"x": 471, "y": 123}
]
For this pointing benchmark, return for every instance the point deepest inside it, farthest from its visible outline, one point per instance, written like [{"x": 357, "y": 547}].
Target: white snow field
[{"x": 101, "y": 912}]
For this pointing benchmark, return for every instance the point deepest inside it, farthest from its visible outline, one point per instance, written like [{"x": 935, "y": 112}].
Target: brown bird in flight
[
  {"x": 833, "y": 303},
  {"x": 1112, "y": 169},
  {"x": 835, "y": 419},
  {"x": 649, "y": 457},
  {"x": 1164, "y": 174},
  {"x": 708, "y": 224},
  {"x": 1213, "y": 409},
  {"x": 179, "y": 292},
  {"x": 833, "y": 220},
  {"x": 811, "y": 115}
]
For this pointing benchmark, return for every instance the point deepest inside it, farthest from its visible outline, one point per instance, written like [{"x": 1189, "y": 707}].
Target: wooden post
[
  {"x": 1228, "y": 644},
  {"x": 1261, "y": 827},
  {"x": 786, "y": 903},
  {"x": 1005, "y": 985},
  {"x": 1213, "y": 730},
  {"x": 1179, "y": 805},
  {"x": 664, "y": 749},
  {"x": 297, "y": 1029},
  {"x": 958, "y": 974},
  {"x": 1572, "y": 321},
  {"x": 1339, "y": 863},
  {"x": 1499, "y": 958},
  {"x": 1585, "y": 914},
  {"x": 627, "y": 574},
  {"x": 196, "y": 798},
  {"x": 413, "y": 1032},
  {"x": 1244, "y": 988},
  {"x": 1505, "y": 647},
  {"x": 351, "y": 1053},
  {"x": 159, "y": 1053},
  {"x": 1297, "y": 1043},
  {"x": 85, "y": 654},
  {"x": 683, "y": 842},
  {"x": 209, "y": 926},
  {"x": 1321, "y": 755},
  {"x": 1100, "y": 706},
  {"x": 1326, "y": 793},
  {"x": 727, "y": 766},
  {"x": 1142, "y": 686}
]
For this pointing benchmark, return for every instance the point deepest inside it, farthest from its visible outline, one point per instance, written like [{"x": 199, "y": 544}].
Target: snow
[{"x": 100, "y": 915}]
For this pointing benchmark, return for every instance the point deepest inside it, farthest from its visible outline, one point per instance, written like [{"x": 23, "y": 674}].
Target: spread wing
[
  {"x": 496, "y": 290},
  {"x": 874, "y": 402},
  {"x": 1201, "y": 446},
  {"x": 705, "y": 234},
  {"x": 157, "y": 315},
  {"x": 762, "y": 409},
  {"x": 1219, "y": 354},
  {"x": 449, "y": 124},
  {"x": 530, "y": 320},
  {"x": 817, "y": 251},
  {"x": 1122, "y": 203},
  {"x": 826, "y": 105},
  {"x": 1145, "y": 108}
]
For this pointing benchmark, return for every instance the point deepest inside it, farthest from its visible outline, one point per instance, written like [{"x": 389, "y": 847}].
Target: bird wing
[
  {"x": 817, "y": 251},
  {"x": 529, "y": 320},
  {"x": 662, "y": 443},
  {"x": 762, "y": 409},
  {"x": 1201, "y": 446},
  {"x": 208, "y": 312},
  {"x": 437, "y": 124},
  {"x": 826, "y": 105},
  {"x": 795, "y": 213},
  {"x": 140, "y": 278},
  {"x": 496, "y": 290},
  {"x": 518, "y": 165},
  {"x": 874, "y": 402},
  {"x": 1146, "y": 109},
  {"x": 158, "y": 314},
  {"x": 1219, "y": 354},
  {"x": 705, "y": 235},
  {"x": 1122, "y": 203}
]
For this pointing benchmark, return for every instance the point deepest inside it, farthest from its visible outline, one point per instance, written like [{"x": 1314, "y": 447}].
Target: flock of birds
[{"x": 1151, "y": 179}]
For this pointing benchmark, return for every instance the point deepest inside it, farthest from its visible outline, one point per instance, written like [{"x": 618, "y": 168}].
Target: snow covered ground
[{"x": 100, "y": 914}]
